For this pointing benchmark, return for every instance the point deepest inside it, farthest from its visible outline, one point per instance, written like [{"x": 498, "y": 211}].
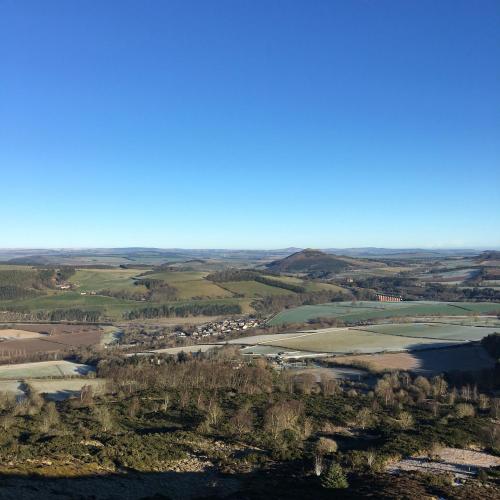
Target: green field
[
  {"x": 438, "y": 331},
  {"x": 490, "y": 321},
  {"x": 113, "y": 307},
  {"x": 191, "y": 284},
  {"x": 342, "y": 341},
  {"x": 365, "y": 310},
  {"x": 105, "y": 279}
]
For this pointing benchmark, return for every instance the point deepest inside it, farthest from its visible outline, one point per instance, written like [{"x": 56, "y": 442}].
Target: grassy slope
[
  {"x": 68, "y": 300},
  {"x": 105, "y": 279},
  {"x": 191, "y": 284}
]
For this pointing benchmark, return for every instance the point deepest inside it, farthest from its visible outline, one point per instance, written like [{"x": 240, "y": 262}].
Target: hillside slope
[{"x": 309, "y": 261}]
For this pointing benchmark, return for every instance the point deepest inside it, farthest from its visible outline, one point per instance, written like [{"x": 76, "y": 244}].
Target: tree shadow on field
[
  {"x": 84, "y": 370},
  {"x": 282, "y": 482},
  {"x": 446, "y": 358},
  {"x": 288, "y": 481}
]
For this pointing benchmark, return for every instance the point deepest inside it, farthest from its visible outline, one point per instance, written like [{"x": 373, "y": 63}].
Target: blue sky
[{"x": 249, "y": 124}]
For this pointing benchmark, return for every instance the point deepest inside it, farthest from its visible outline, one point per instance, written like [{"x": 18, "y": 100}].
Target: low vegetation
[{"x": 243, "y": 416}]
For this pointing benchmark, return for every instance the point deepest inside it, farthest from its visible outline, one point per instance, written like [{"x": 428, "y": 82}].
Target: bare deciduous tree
[{"x": 281, "y": 416}]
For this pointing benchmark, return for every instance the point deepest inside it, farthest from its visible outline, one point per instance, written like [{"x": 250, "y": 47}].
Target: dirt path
[{"x": 461, "y": 463}]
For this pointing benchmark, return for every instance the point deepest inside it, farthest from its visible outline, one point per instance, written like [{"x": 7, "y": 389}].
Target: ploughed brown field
[{"x": 53, "y": 338}]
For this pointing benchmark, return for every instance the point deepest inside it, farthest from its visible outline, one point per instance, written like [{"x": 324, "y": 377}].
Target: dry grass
[
  {"x": 460, "y": 463},
  {"x": 13, "y": 334},
  {"x": 59, "y": 390}
]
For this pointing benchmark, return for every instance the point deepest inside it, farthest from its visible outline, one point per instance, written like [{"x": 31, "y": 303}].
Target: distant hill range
[
  {"x": 309, "y": 261},
  {"x": 332, "y": 257},
  {"x": 395, "y": 253},
  {"x": 489, "y": 255}
]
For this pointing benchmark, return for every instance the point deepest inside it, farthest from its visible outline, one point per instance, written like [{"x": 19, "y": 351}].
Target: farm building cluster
[{"x": 222, "y": 328}]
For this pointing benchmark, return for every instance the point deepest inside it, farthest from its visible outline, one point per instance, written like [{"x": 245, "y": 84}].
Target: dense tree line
[
  {"x": 276, "y": 303},
  {"x": 281, "y": 284},
  {"x": 124, "y": 294},
  {"x": 158, "y": 289},
  {"x": 150, "y": 284},
  {"x": 8, "y": 292},
  {"x": 73, "y": 315},
  {"x": 28, "y": 278},
  {"x": 233, "y": 275},
  {"x": 486, "y": 294},
  {"x": 492, "y": 344},
  {"x": 65, "y": 273},
  {"x": 184, "y": 310},
  {"x": 252, "y": 275},
  {"x": 413, "y": 289}
]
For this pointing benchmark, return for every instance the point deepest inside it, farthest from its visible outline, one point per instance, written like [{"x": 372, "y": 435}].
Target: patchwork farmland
[
  {"x": 45, "y": 338},
  {"x": 369, "y": 311},
  {"x": 57, "y": 380}
]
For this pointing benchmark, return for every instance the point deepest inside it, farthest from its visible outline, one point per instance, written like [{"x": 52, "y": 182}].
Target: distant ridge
[{"x": 403, "y": 252}]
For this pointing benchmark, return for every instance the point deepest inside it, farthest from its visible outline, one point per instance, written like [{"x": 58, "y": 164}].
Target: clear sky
[{"x": 249, "y": 124}]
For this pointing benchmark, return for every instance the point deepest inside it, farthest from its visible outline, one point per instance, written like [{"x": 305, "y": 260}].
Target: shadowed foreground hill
[{"x": 280, "y": 483}]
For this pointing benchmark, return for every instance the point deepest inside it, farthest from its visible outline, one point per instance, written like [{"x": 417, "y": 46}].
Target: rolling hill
[{"x": 309, "y": 261}]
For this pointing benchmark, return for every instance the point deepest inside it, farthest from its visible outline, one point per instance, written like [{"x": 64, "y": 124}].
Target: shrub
[
  {"x": 405, "y": 420},
  {"x": 325, "y": 446},
  {"x": 335, "y": 478},
  {"x": 464, "y": 410}
]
